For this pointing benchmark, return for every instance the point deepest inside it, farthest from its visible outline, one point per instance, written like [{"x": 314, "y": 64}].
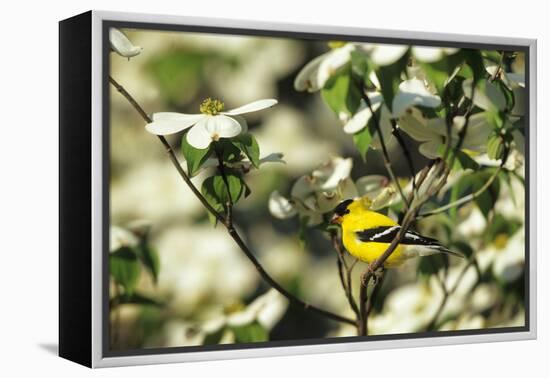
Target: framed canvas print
[{"x": 235, "y": 189}]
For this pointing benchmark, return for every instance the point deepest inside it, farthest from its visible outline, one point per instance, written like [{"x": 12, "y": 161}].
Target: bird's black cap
[{"x": 342, "y": 208}]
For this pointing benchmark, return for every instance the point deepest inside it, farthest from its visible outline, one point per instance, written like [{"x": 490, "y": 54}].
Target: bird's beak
[{"x": 336, "y": 219}]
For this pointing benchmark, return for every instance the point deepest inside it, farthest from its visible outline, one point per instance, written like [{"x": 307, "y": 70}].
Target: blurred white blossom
[
  {"x": 201, "y": 266},
  {"x": 313, "y": 76},
  {"x": 321, "y": 191},
  {"x": 432, "y": 133}
]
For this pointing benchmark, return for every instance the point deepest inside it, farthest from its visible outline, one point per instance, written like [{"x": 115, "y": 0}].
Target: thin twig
[
  {"x": 499, "y": 68},
  {"x": 229, "y": 204},
  {"x": 397, "y": 134},
  {"x": 448, "y": 292},
  {"x": 375, "y": 292},
  {"x": 230, "y": 228},
  {"x": 345, "y": 280},
  {"x": 468, "y": 198},
  {"x": 385, "y": 155}
]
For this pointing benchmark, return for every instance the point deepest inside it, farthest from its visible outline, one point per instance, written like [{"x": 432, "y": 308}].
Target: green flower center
[
  {"x": 336, "y": 44},
  {"x": 211, "y": 106}
]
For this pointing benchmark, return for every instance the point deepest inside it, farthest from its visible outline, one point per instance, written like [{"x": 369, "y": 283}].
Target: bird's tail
[{"x": 427, "y": 250}]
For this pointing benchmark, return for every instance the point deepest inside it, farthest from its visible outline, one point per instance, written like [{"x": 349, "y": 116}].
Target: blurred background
[{"x": 204, "y": 280}]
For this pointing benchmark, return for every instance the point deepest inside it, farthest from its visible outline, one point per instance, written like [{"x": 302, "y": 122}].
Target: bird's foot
[{"x": 375, "y": 274}]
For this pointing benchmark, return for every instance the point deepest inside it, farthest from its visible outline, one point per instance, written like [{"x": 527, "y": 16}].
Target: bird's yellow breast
[{"x": 360, "y": 219}]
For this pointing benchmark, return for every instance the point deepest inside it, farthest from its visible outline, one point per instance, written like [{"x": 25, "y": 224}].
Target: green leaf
[
  {"x": 209, "y": 193},
  {"x": 341, "y": 94},
  {"x": 464, "y": 161},
  {"x": 508, "y": 95},
  {"x": 362, "y": 141},
  {"x": 390, "y": 78},
  {"x": 486, "y": 200},
  {"x": 214, "y": 337},
  {"x": 194, "y": 157},
  {"x": 249, "y": 145},
  {"x": 441, "y": 71},
  {"x": 430, "y": 265},
  {"x": 495, "y": 147},
  {"x": 474, "y": 60},
  {"x": 215, "y": 190},
  {"x": 501, "y": 225},
  {"x": 230, "y": 152},
  {"x": 463, "y": 247},
  {"x": 124, "y": 268},
  {"x": 472, "y": 183},
  {"x": 140, "y": 299},
  {"x": 250, "y": 333},
  {"x": 359, "y": 64},
  {"x": 150, "y": 258},
  {"x": 492, "y": 56}
]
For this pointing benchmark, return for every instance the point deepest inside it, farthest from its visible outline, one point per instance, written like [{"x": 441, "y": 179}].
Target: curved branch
[
  {"x": 468, "y": 198},
  {"x": 345, "y": 280},
  {"x": 229, "y": 226},
  {"x": 448, "y": 292},
  {"x": 397, "y": 134}
]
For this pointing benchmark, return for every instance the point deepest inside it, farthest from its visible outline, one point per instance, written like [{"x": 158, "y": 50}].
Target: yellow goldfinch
[{"x": 367, "y": 234}]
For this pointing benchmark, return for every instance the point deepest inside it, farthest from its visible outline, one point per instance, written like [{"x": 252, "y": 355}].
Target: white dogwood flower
[
  {"x": 413, "y": 92},
  {"x": 315, "y": 74},
  {"x": 432, "y": 54},
  {"x": 122, "y": 45},
  {"x": 321, "y": 191},
  {"x": 208, "y": 126},
  {"x": 266, "y": 310},
  {"x": 432, "y": 133}
]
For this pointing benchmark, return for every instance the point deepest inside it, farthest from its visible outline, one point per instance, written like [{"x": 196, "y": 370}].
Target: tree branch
[
  {"x": 229, "y": 204},
  {"x": 345, "y": 280},
  {"x": 448, "y": 292},
  {"x": 468, "y": 198},
  {"x": 230, "y": 228},
  {"x": 397, "y": 134}
]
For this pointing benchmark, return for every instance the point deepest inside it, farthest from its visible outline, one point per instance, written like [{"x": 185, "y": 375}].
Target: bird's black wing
[{"x": 386, "y": 234}]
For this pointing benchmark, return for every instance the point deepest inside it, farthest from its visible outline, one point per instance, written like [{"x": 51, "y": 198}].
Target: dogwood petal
[
  {"x": 477, "y": 133},
  {"x": 302, "y": 189},
  {"x": 281, "y": 207},
  {"x": 171, "y": 123},
  {"x": 252, "y": 107},
  {"x": 242, "y": 122},
  {"x": 360, "y": 119},
  {"x": 198, "y": 136},
  {"x": 212, "y": 128},
  {"x": 431, "y": 54},
  {"x": 221, "y": 126},
  {"x": 430, "y": 149},
  {"x": 307, "y": 77},
  {"x": 413, "y": 92},
  {"x": 371, "y": 185},
  {"x": 274, "y": 157},
  {"x": 415, "y": 125},
  {"x": 341, "y": 171},
  {"x": 427, "y": 54},
  {"x": 335, "y": 60},
  {"x": 384, "y": 55},
  {"x": 491, "y": 98},
  {"x": 122, "y": 45},
  {"x": 384, "y": 198}
]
